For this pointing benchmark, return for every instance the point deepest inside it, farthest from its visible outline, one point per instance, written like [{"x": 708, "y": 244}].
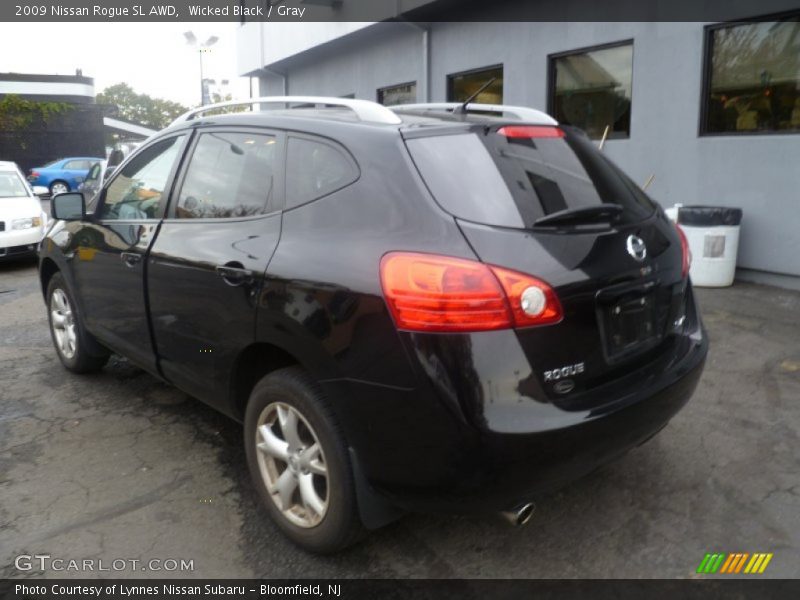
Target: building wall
[
  {"x": 76, "y": 132},
  {"x": 756, "y": 172}
]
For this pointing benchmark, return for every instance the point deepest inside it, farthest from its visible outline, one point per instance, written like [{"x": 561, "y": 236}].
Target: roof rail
[
  {"x": 522, "y": 113},
  {"x": 364, "y": 109}
]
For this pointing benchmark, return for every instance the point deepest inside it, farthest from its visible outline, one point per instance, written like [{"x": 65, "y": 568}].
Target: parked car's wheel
[
  {"x": 299, "y": 462},
  {"x": 58, "y": 187},
  {"x": 67, "y": 330}
]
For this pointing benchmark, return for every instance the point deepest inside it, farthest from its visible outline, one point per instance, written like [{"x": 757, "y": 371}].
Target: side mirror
[
  {"x": 68, "y": 207},
  {"x": 40, "y": 190}
]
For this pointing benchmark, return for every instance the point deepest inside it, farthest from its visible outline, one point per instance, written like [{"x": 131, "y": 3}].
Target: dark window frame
[
  {"x": 391, "y": 87},
  {"x": 451, "y": 78},
  {"x": 705, "y": 84},
  {"x": 551, "y": 78}
]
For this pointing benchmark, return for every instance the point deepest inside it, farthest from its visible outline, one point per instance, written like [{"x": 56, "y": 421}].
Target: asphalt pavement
[{"x": 119, "y": 466}]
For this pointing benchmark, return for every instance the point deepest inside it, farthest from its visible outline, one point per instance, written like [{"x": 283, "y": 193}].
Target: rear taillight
[
  {"x": 686, "y": 253},
  {"x": 34, "y": 174},
  {"x": 530, "y": 131},
  {"x": 427, "y": 292}
]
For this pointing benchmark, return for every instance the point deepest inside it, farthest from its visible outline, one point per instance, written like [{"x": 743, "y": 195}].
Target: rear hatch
[{"x": 544, "y": 201}]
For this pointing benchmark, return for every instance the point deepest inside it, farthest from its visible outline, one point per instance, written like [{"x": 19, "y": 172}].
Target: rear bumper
[
  {"x": 447, "y": 449},
  {"x": 506, "y": 470}
]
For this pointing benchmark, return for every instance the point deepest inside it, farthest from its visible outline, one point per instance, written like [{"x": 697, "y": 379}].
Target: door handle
[
  {"x": 234, "y": 275},
  {"x": 131, "y": 259}
]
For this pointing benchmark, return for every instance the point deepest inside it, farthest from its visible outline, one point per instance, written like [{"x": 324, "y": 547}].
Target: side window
[
  {"x": 94, "y": 173},
  {"x": 229, "y": 175},
  {"x": 72, "y": 165},
  {"x": 139, "y": 189},
  {"x": 315, "y": 169}
]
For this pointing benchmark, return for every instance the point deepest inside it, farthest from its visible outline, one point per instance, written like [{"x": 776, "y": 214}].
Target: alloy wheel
[
  {"x": 292, "y": 464},
  {"x": 62, "y": 321},
  {"x": 58, "y": 188}
]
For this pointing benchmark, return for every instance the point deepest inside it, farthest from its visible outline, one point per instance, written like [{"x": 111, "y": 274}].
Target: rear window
[{"x": 488, "y": 178}]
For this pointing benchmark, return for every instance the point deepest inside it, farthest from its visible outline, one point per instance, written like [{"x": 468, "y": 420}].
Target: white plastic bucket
[{"x": 714, "y": 246}]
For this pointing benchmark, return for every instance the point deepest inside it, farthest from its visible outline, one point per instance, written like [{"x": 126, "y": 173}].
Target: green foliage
[
  {"x": 18, "y": 117},
  {"x": 17, "y": 114},
  {"x": 140, "y": 108}
]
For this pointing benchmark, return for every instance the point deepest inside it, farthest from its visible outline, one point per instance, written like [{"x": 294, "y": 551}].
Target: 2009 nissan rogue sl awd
[{"x": 433, "y": 308}]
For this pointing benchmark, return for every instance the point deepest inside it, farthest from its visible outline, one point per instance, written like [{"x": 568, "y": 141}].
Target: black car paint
[{"x": 434, "y": 421}]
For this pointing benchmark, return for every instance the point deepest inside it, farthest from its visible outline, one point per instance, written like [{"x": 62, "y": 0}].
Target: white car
[{"x": 23, "y": 222}]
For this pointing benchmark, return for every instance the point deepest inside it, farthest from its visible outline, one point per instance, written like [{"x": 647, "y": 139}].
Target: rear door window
[
  {"x": 316, "y": 168},
  {"x": 77, "y": 165},
  {"x": 230, "y": 174},
  {"x": 488, "y": 178}
]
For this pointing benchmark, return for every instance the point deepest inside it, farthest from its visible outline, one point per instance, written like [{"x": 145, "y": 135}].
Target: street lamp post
[{"x": 191, "y": 39}]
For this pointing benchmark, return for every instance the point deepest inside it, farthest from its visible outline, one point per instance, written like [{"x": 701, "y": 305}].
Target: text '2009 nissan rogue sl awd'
[{"x": 432, "y": 308}]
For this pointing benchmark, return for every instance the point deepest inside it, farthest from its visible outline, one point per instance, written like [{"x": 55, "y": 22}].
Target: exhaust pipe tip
[{"x": 521, "y": 515}]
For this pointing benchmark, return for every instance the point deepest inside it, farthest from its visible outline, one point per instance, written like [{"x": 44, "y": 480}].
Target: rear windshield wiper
[{"x": 585, "y": 214}]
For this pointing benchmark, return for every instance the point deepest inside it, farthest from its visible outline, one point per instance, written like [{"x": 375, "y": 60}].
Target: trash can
[{"x": 713, "y": 236}]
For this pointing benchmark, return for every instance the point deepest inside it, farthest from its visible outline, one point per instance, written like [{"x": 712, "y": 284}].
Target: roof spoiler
[{"x": 520, "y": 113}]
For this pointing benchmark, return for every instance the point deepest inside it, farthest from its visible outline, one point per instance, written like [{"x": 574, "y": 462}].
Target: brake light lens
[
  {"x": 686, "y": 253},
  {"x": 530, "y": 131},
  {"x": 427, "y": 292},
  {"x": 532, "y": 301}
]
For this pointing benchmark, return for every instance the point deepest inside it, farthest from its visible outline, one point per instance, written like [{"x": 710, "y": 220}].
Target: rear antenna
[{"x": 461, "y": 110}]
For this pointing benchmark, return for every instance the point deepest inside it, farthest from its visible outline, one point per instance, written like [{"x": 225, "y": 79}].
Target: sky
[{"x": 152, "y": 58}]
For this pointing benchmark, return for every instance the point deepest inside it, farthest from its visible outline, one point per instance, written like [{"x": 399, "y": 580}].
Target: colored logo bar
[{"x": 735, "y": 563}]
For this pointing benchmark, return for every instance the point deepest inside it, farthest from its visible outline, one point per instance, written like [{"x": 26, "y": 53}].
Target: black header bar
[{"x": 383, "y": 10}]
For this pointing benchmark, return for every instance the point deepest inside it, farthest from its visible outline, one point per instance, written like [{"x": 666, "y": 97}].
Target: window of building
[
  {"x": 752, "y": 77},
  {"x": 405, "y": 93},
  {"x": 314, "y": 169},
  {"x": 230, "y": 175},
  {"x": 461, "y": 86},
  {"x": 139, "y": 190},
  {"x": 592, "y": 89}
]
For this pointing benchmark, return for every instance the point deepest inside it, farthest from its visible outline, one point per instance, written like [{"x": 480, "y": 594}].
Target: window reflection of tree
[
  {"x": 593, "y": 89},
  {"x": 755, "y": 77}
]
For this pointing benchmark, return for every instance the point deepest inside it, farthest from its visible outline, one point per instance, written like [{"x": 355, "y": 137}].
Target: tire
[
  {"x": 58, "y": 187},
  {"x": 329, "y": 522},
  {"x": 70, "y": 338}
]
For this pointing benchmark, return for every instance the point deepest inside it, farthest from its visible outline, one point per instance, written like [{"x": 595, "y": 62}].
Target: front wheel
[
  {"x": 66, "y": 328},
  {"x": 299, "y": 462}
]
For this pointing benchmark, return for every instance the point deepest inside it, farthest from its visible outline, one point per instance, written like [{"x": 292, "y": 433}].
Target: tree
[
  {"x": 156, "y": 113},
  {"x": 20, "y": 117}
]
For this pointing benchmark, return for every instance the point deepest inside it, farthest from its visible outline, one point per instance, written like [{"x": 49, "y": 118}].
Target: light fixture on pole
[{"x": 191, "y": 39}]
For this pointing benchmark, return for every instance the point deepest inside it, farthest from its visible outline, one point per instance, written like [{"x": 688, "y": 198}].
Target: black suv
[{"x": 436, "y": 307}]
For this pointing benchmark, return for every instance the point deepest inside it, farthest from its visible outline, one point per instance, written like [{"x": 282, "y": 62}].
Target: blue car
[{"x": 62, "y": 175}]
